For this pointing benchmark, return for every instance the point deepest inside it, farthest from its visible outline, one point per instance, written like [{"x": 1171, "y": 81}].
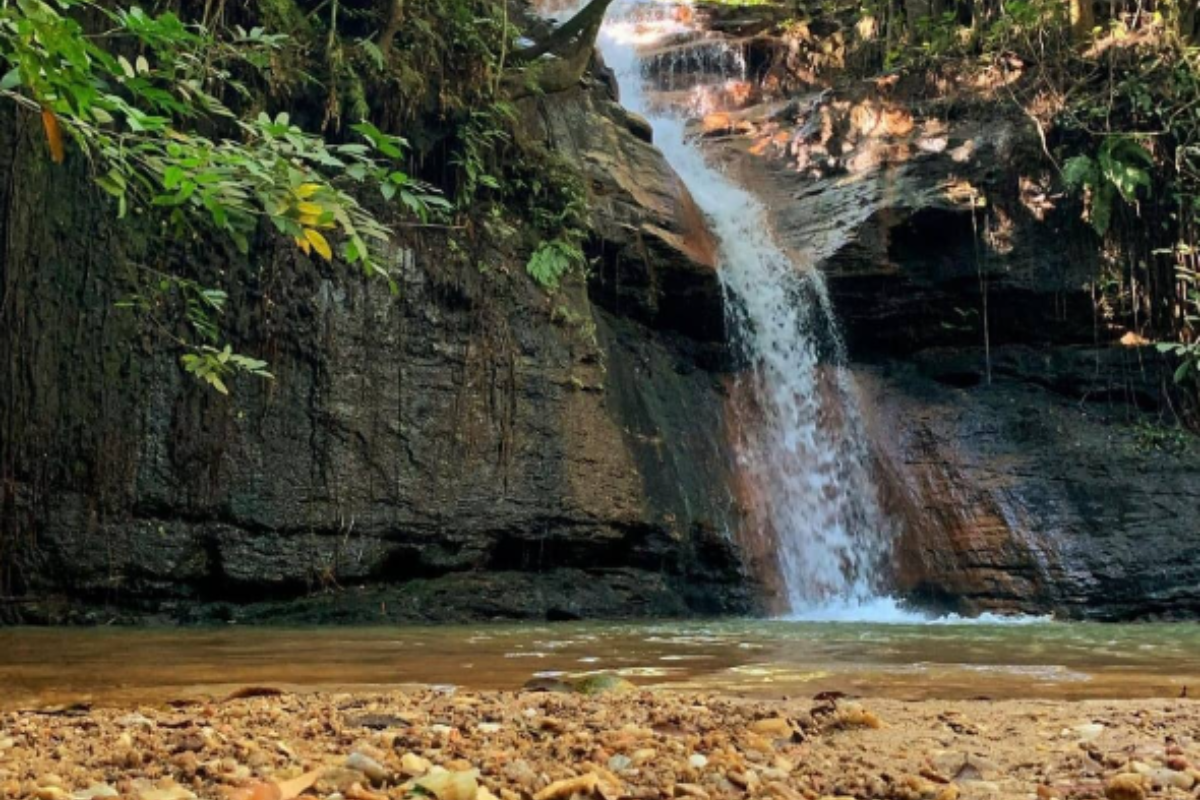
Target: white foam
[{"x": 890, "y": 611}]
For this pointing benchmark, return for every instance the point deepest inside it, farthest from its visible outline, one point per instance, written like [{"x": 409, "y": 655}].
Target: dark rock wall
[
  {"x": 460, "y": 451},
  {"x": 1047, "y": 476},
  {"x": 1042, "y": 492}
]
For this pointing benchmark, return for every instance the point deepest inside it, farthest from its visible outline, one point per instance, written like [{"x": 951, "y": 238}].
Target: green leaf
[
  {"x": 551, "y": 261},
  {"x": 108, "y": 184},
  {"x": 1079, "y": 171},
  {"x": 1102, "y": 206},
  {"x": 11, "y": 79},
  {"x": 172, "y": 177}
]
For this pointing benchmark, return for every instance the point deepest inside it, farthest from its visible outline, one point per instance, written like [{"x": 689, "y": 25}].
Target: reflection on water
[{"x": 765, "y": 658}]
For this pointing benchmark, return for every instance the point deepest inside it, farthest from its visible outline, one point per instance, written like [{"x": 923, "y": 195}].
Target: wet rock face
[
  {"x": 461, "y": 450},
  {"x": 656, "y": 260},
  {"x": 1040, "y": 480},
  {"x": 1044, "y": 491},
  {"x": 907, "y": 216}
]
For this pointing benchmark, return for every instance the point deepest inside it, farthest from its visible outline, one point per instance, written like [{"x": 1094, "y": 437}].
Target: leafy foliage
[
  {"x": 141, "y": 119},
  {"x": 556, "y": 206},
  {"x": 1188, "y": 351},
  {"x": 553, "y": 260},
  {"x": 1120, "y": 168},
  {"x": 146, "y": 103},
  {"x": 215, "y": 366}
]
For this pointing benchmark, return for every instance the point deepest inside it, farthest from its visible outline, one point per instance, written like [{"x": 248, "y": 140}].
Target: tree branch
[
  {"x": 391, "y": 28},
  {"x": 578, "y": 33}
]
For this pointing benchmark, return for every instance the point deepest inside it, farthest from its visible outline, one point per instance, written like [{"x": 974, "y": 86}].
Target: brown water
[{"x": 1053, "y": 660}]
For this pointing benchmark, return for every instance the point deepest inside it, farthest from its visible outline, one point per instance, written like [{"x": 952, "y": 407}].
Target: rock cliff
[
  {"x": 471, "y": 448},
  {"x": 1024, "y": 437}
]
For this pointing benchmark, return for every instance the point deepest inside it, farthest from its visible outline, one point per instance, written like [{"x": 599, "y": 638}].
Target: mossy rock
[
  {"x": 552, "y": 685},
  {"x": 603, "y": 684}
]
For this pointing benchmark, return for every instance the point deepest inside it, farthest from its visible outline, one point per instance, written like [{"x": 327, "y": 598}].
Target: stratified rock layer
[{"x": 469, "y": 449}]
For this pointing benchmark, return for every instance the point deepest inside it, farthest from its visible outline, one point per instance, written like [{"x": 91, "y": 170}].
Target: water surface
[{"x": 765, "y": 658}]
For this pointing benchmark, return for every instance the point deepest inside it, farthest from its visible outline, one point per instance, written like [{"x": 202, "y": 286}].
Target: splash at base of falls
[
  {"x": 801, "y": 449},
  {"x": 890, "y": 611}
]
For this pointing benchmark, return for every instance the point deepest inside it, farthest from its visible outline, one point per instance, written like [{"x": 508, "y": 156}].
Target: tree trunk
[
  {"x": 573, "y": 43},
  {"x": 391, "y": 27},
  {"x": 1083, "y": 20}
]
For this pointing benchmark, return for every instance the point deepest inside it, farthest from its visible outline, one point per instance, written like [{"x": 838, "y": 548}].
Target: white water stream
[{"x": 802, "y": 448}]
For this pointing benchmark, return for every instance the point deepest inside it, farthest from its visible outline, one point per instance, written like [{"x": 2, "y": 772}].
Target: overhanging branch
[{"x": 578, "y": 33}]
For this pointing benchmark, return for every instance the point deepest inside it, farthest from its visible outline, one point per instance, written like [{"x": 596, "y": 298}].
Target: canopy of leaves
[{"x": 148, "y": 100}]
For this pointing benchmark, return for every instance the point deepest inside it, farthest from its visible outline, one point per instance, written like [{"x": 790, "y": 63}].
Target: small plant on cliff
[
  {"x": 555, "y": 201},
  {"x": 1121, "y": 167},
  {"x": 1188, "y": 350},
  {"x": 552, "y": 261}
]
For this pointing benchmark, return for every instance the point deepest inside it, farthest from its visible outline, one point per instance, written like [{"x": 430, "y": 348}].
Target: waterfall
[{"x": 801, "y": 445}]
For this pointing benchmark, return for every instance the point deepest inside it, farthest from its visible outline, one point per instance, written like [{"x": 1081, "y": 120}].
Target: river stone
[
  {"x": 1169, "y": 778},
  {"x": 368, "y": 766},
  {"x": 414, "y": 765},
  {"x": 552, "y": 685},
  {"x": 1125, "y": 786},
  {"x": 775, "y": 727},
  {"x": 1088, "y": 732},
  {"x": 619, "y": 763}
]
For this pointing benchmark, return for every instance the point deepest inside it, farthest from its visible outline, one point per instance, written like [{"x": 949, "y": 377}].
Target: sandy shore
[{"x": 625, "y": 743}]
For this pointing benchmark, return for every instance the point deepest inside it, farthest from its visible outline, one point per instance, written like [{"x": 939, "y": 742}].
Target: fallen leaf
[
  {"x": 297, "y": 786},
  {"x": 450, "y": 785},
  {"x": 583, "y": 784},
  {"x": 277, "y": 790}
]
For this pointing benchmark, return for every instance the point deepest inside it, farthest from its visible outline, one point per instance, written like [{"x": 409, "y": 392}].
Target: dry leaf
[
  {"x": 54, "y": 136},
  {"x": 277, "y": 790},
  {"x": 357, "y": 792},
  {"x": 295, "y": 787},
  {"x": 451, "y": 785},
  {"x": 583, "y": 784},
  {"x": 258, "y": 791}
]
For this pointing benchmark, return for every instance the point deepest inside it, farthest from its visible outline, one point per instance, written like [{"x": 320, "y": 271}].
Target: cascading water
[{"x": 801, "y": 448}]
